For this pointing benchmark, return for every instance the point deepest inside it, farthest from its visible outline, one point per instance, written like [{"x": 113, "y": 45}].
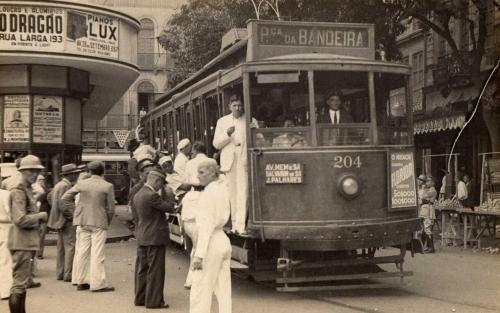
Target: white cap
[
  {"x": 164, "y": 159},
  {"x": 183, "y": 144}
]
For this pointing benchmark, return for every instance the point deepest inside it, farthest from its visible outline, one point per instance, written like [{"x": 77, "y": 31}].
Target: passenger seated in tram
[{"x": 289, "y": 139}]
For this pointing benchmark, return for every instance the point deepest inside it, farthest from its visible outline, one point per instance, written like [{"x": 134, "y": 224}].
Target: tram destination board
[
  {"x": 284, "y": 173},
  {"x": 269, "y": 38},
  {"x": 402, "y": 180}
]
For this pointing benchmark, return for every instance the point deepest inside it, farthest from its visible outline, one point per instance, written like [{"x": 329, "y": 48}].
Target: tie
[{"x": 335, "y": 117}]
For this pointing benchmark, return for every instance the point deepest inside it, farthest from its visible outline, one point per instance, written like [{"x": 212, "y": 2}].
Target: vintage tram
[{"x": 323, "y": 196}]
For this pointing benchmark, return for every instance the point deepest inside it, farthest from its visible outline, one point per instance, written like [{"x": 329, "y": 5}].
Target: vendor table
[
  {"x": 450, "y": 224},
  {"x": 479, "y": 221}
]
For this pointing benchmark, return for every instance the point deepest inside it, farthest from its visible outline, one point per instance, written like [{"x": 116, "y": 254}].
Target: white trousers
[
  {"x": 90, "y": 257},
  {"x": 5, "y": 263},
  {"x": 191, "y": 231},
  {"x": 215, "y": 278},
  {"x": 237, "y": 183},
  {"x": 75, "y": 260}
]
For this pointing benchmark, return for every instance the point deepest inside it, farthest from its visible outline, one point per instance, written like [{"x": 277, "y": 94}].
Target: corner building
[{"x": 60, "y": 61}]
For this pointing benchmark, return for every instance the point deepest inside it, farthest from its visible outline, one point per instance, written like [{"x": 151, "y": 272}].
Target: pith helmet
[{"x": 30, "y": 162}]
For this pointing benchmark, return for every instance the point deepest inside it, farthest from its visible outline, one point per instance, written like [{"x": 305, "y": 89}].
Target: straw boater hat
[
  {"x": 145, "y": 163},
  {"x": 70, "y": 168}
]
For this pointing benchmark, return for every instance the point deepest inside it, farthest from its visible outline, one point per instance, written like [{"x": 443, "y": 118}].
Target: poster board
[
  {"x": 47, "y": 119},
  {"x": 403, "y": 193},
  {"x": 16, "y": 119}
]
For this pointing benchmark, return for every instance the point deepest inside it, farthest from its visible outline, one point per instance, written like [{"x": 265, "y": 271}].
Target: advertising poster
[
  {"x": 92, "y": 34},
  {"x": 403, "y": 190},
  {"x": 16, "y": 118},
  {"x": 47, "y": 119},
  {"x": 31, "y": 28}
]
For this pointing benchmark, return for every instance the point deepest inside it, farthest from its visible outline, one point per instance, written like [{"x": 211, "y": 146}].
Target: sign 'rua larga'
[{"x": 58, "y": 30}]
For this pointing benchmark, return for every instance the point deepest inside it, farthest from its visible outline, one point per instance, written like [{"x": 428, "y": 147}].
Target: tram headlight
[{"x": 349, "y": 186}]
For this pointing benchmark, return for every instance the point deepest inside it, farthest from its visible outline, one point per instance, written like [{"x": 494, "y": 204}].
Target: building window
[
  {"x": 145, "y": 97},
  {"x": 418, "y": 69},
  {"x": 146, "y": 44}
]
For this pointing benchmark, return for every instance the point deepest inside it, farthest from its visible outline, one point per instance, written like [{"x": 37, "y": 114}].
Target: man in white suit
[{"x": 230, "y": 138}]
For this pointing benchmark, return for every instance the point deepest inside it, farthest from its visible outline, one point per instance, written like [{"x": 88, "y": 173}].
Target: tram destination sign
[
  {"x": 284, "y": 173},
  {"x": 270, "y": 38},
  {"x": 402, "y": 180}
]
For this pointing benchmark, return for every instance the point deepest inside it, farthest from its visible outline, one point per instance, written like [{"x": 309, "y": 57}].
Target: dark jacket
[
  {"x": 345, "y": 117},
  {"x": 152, "y": 226},
  {"x": 56, "y": 218},
  {"x": 24, "y": 235}
]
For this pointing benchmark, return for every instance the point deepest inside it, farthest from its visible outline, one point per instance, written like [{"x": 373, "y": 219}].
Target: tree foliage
[{"x": 194, "y": 33}]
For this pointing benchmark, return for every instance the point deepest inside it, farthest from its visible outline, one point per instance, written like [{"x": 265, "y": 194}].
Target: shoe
[
  {"x": 187, "y": 287},
  {"x": 82, "y": 287},
  {"x": 34, "y": 285},
  {"x": 67, "y": 280},
  {"x": 59, "y": 278},
  {"x": 163, "y": 306},
  {"x": 40, "y": 257},
  {"x": 105, "y": 289}
]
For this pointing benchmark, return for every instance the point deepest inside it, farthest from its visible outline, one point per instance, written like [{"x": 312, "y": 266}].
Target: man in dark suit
[
  {"x": 336, "y": 113},
  {"x": 152, "y": 236}
]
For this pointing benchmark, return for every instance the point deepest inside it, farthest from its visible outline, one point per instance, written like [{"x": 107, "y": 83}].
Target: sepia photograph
[{"x": 243, "y": 156}]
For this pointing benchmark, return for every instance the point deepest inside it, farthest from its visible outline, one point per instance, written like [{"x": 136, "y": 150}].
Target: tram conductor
[
  {"x": 336, "y": 113},
  {"x": 230, "y": 139}
]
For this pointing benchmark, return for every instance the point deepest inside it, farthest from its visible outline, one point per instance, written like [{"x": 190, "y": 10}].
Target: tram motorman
[
  {"x": 230, "y": 138},
  {"x": 336, "y": 113}
]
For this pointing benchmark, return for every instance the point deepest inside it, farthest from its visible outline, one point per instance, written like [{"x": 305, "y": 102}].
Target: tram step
[
  {"x": 340, "y": 287},
  {"x": 288, "y": 280},
  {"x": 235, "y": 265}
]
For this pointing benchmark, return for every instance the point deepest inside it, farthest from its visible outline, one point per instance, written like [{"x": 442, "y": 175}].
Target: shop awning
[
  {"x": 435, "y": 100},
  {"x": 438, "y": 124}
]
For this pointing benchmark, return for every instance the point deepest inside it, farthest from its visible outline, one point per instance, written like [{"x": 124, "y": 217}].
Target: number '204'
[{"x": 346, "y": 161}]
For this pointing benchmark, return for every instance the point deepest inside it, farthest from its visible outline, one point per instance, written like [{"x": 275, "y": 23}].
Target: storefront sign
[
  {"x": 31, "y": 28},
  {"x": 92, "y": 34},
  {"x": 16, "y": 118},
  {"x": 58, "y": 30},
  {"x": 47, "y": 119},
  {"x": 313, "y": 36},
  {"x": 403, "y": 191},
  {"x": 284, "y": 173}
]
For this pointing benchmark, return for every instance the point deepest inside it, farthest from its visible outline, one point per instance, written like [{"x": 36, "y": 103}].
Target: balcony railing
[{"x": 151, "y": 61}]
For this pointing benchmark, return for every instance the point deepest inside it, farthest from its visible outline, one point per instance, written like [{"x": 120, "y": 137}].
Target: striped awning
[{"x": 438, "y": 124}]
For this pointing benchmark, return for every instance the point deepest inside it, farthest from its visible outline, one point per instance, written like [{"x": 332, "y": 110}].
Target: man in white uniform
[
  {"x": 190, "y": 201},
  {"x": 183, "y": 152},
  {"x": 212, "y": 257},
  {"x": 230, "y": 138}
]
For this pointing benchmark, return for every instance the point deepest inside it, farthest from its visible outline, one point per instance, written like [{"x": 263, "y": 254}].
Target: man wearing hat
[
  {"x": 23, "y": 239},
  {"x": 184, "y": 150},
  {"x": 92, "y": 216},
  {"x": 143, "y": 168},
  {"x": 152, "y": 236},
  {"x": 62, "y": 221}
]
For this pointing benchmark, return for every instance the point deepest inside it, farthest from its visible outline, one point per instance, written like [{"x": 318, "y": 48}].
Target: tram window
[
  {"x": 392, "y": 115},
  {"x": 342, "y": 108},
  {"x": 280, "y": 103}
]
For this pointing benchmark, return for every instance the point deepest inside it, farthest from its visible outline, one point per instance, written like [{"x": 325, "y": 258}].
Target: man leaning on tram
[{"x": 230, "y": 139}]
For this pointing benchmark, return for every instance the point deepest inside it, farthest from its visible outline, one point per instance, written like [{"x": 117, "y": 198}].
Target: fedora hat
[
  {"x": 69, "y": 169},
  {"x": 30, "y": 162}
]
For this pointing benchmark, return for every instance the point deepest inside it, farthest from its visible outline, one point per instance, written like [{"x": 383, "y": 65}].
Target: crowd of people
[{"x": 81, "y": 205}]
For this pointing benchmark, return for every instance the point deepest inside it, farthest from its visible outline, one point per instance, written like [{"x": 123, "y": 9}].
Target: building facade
[
  {"x": 59, "y": 61},
  {"x": 111, "y": 133},
  {"x": 441, "y": 109}
]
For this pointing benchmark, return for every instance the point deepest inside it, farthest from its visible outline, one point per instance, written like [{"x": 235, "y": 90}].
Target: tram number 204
[{"x": 346, "y": 161}]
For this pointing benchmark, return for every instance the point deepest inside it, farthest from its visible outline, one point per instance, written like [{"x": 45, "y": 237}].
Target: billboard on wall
[
  {"x": 58, "y": 30},
  {"x": 47, "y": 119},
  {"x": 16, "y": 118}
]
